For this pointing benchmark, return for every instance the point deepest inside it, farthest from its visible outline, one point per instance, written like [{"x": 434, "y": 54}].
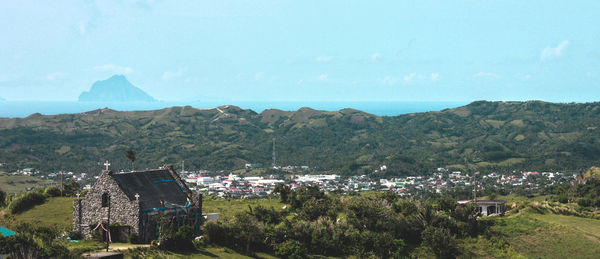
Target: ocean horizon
[{"x": 21, "y": 109}]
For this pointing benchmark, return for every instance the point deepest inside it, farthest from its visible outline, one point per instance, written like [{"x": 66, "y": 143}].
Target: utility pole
[
  {"x": 273, "y": 152},
  {"x": 182, "y": 167},
  {"x": 475, "y": 187},
  {"x": 61, "y": 183},
  {"x": 108, "y": 224}
]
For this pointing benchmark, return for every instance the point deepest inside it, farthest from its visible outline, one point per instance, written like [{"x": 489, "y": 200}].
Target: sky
[{"x": 325, "y": 50}]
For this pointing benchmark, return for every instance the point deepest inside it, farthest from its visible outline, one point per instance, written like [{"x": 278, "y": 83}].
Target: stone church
[{"x": 130, "y": 202}]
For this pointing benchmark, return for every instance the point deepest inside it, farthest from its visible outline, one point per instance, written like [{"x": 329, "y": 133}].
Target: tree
[
  {"x": 247, "y": 229},
  {"x": 2, "y": 198},
  {"x": 441, "y": 241},
  {"x": 284, "y": 191},
  {"x": 130, "y": 154}
]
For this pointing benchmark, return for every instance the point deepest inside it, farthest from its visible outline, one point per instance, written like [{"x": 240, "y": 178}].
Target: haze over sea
[{"x": 22, "y": 109}]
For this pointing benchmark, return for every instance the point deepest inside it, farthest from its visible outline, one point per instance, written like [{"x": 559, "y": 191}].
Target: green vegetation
[
  {"x": 20, "y": 183},
  {"x": 485, "y": 136},
  {"x": 550, "y": 235},
  {"x": 57, "y": 212},
  {"x": 381, "y": 226},
  {"x": 318, "y": 225},
  {"x": 227, "y": 208}
]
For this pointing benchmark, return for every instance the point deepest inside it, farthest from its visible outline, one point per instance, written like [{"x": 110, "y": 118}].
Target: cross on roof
[
  {"x": 107, "y": 164},
  {"x": 137, "y": 196}
]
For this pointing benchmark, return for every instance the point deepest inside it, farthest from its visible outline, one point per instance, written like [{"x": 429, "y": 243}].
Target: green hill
[
  {"x": 533, "y": 235},
  {"x": 482, "y": 135}
]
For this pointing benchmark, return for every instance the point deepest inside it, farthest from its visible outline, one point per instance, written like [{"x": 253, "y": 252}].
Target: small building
[
  {"x": 488, "y": 207},
  {"x": 254, "y": 166},
  {"x": 491, "y": 207},
  {"x": 130, "y": 202}
]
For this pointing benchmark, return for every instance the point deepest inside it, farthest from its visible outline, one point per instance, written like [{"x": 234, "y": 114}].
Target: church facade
[{"x": 130, "y": 202}]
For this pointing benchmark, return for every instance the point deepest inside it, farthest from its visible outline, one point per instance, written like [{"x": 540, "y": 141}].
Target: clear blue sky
[{"x": 304, "y": 50}]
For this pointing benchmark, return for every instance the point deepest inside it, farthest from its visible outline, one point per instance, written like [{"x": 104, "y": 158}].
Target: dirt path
[{"x": 125, "y": 247}]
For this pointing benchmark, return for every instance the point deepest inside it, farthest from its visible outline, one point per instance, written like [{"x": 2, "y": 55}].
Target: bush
[
  {"x": 563, "y": 198},
  {"x": 2, "y": 198},
  {"x": 441, "y": 242},
  {"x": 217, "y": 233},
  {"x": 134, "y": 239},
  {"x": 75, "y": 235},
  {"x": 52, "y": 191},
  {"x": 26, "y": 201},
  {"x": 98, "y": 235},
  {"x": 291, "y": 249},
  {"x": 584, "y": 202},
  {"x": 169, "y": 239},
  {"x": 34, "y": 242}
]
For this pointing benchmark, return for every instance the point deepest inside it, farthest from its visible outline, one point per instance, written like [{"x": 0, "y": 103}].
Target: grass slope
[
  {"x": 550, "y": 235},
  {"x": 56, "y": 212},
  {"x": 19, "y": 183}
]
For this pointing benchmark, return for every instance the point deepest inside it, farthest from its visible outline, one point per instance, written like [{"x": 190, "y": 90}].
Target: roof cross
[
  {"x": 107, "y": 164},
  {"x": 137, "y": 197}
]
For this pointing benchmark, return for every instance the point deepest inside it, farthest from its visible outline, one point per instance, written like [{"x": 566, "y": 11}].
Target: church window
[{"x": 105, "y": 199}]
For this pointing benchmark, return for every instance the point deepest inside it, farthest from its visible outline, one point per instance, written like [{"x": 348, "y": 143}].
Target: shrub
[
  {"x": 217, "y": 233},
  {"x": 2, "y": 198},
  {"x": 26, "y": 201},
  {"x": 563, "y": 198},
  {"x": 584, "y": 202},
  {"x": 134, "y": 239},
  {"x": 441, "y": 242},
  {"x": 291, "y": 249},
  {"x": 98, "y": 235},
  {"x": 52, "y": 191},
  {"x": 75, "y": 235},
  {"x": 169, "y": 239}
]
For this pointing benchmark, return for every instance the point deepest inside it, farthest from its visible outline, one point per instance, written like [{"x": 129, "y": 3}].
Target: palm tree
[{"x": 130, "y": 154}]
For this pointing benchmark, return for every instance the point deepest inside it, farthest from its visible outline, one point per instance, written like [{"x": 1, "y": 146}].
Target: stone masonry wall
[{"x": 122, "y": 210}]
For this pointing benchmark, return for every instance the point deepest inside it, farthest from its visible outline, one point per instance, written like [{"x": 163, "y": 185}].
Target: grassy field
[
  {"x": 550, "y": 236},
  {"x": 19, "y": 183},
  {"x": 216, "y": 252},
  {"x": 56, "y": 212}
]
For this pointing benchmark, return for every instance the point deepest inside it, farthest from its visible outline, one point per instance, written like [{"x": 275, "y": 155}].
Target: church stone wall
[{"x": 87, "y": 212}]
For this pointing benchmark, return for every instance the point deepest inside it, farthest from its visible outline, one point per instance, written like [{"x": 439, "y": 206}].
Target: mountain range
[
  {"x": 115, "y": 89},
  {"x": 485, "y": 136}
]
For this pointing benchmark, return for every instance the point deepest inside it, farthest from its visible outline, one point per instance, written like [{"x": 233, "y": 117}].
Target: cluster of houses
[
  {"x": 236, "y": 186},
  {"x": 443, "y": 180},
  {"x": 227, "y": 185}
]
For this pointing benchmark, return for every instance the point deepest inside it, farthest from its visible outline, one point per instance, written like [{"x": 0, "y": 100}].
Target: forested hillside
[{"x": 482, "y": 135}]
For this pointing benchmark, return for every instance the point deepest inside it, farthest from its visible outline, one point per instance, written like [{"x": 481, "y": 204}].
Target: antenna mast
[
  {"x": 273, "y": 152},
  {"x": 475, "y": 186}
]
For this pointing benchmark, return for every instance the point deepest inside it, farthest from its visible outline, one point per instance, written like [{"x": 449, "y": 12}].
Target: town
[{"x": 251, "y": 184}]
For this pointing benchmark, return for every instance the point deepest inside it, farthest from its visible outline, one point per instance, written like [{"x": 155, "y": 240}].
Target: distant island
[{"x": 115, "y": 89}]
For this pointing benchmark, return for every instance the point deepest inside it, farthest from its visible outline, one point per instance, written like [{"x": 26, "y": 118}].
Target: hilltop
[
  {"x": 115, "y": 89},
  {"x": 479, "y": 136}
]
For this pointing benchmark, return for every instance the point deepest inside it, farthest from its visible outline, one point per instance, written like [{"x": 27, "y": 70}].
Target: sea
[{"x": 21, "y": 109}]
